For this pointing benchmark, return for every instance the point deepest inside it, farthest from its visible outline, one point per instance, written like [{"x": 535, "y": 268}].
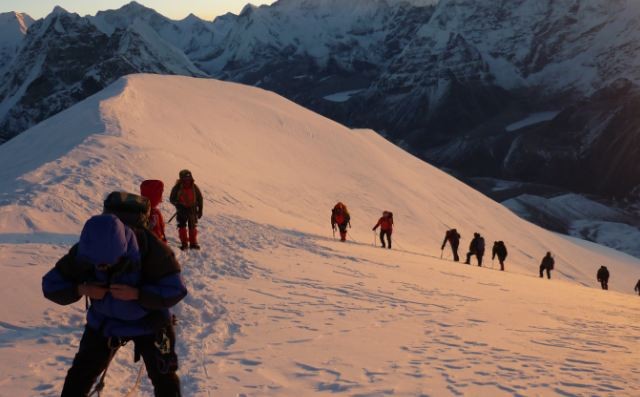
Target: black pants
[
  {"x": 93, "y": 357},
  {"x": 187, "y": 216},
  {"x": 604, "y": 283},
  {"x": 388, "y": 234},
  {"x": 478, "y": 255},
  {"x": 343, "y": 231},
  {"x": 454, "y": 250},
  {"x": 501, "y": 260},
  {"x": 342, "y": 227},
  {"x": 542, "y": 269}
]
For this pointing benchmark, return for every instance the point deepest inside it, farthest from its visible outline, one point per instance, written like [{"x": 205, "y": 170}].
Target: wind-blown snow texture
[{"x": 276, "y": 306}]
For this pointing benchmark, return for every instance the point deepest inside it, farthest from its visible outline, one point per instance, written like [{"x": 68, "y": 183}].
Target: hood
[
  {"x": 105, "y": 240},
  {"x": 152, "y": 189}
]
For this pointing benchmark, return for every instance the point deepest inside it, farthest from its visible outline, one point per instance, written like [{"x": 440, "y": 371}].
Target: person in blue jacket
[{"x": 131, "y": 279}]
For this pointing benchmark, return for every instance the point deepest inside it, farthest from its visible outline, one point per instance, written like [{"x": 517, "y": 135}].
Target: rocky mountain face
[{"x": 542, "y": 92}]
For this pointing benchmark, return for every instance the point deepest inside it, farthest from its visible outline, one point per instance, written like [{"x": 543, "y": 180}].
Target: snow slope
[{"x": 276, "y": 306}]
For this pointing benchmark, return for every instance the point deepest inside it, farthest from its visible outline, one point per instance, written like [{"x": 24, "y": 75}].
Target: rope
[
  {"x": 97, "y": 390},
  {"x": 137, "y": 384}
]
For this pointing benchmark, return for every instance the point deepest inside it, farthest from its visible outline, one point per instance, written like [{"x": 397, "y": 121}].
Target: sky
[{"x": 175, "y": 9}]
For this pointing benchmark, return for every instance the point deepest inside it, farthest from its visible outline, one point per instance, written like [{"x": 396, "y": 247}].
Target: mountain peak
[
  {"x": 248, "y": 10},
  {"x": 136, "y": 8},
  {"x": 57, "y": 10},
  {"x": 13, "y": 18},
  {"x": 192, "y": 18},
  {"x": 24, "y": 21}
]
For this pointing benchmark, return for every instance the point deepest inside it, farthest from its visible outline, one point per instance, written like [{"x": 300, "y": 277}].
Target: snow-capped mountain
[
  {"x": 13, "y": 28},
  {"x": 64, "y": 58},
  {"x": 192, "y": 35},
  {"x": 276, "y": 307}
]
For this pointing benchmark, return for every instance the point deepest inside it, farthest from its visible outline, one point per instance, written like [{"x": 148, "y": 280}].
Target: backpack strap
[
  {"x": 158, "y": 260},
  {"x": 73, "y": 269}
]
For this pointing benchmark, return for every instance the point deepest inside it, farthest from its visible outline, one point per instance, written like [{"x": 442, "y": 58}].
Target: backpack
[
  {"x": 480, "y": 244},
  {"x": 132, "y": 209}
]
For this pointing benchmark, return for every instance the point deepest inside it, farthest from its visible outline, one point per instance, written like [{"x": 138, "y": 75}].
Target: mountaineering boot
[
  {"x": 184, "y": 238},
  {"x": 343, "y": 236},
  {"x": 193, "y": 239}
]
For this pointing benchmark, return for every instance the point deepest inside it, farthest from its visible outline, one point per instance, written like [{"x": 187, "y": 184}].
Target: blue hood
[{"x": 105, "y": 239}]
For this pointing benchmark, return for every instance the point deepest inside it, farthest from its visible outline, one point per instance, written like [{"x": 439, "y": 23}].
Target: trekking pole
[
  {"x": 441, "y": 253},
  {"x": 374, "y": 239},
  {"x": 172, "y": 216},
  {"x": 334, "y": 234}
]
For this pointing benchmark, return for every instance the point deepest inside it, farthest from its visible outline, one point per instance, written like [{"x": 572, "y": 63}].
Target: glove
[
  {"x": 199, "y": 214},
  {"x": 442, "y": 248},
  {"x": 374, "y": 229}
]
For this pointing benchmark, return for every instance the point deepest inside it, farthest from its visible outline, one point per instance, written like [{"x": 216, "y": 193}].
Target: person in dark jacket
[
  {"x": 340, "y": 218},
  {"x": 547, "y": 264},
  {"x": 386, "y": 227},
  {"x": 187, "y": 198},
  {"x": 453, "y": 237},
  {"x": 476, "y": 247},
  {"x": 131, "y": 279},
  {"x": 603, "y": 277},
  {"x": 637, "y": 288},
  {"x": 499, "y": 250}
]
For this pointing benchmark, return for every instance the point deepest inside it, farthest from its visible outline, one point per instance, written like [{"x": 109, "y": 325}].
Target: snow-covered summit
[
  {"x": 276, "y": 306},
  {"x": 13, "y": 28},
  {"x": 192, "y": 36},
  {"x": 65, "y": 57},
  {"x": 14, "y": 22}
]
